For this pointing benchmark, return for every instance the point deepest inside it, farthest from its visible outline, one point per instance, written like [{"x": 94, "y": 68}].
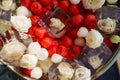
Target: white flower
[
  {"x": 21, "y": 23},
  {"x": 93, "y": 4},
  {"x": 65, "y": 69},
  {"x": 28, "y": 61},
  {"x": 13, "y": 51},
  {"x": 56, "y": 23},
  {"x": 107, "y": 25},
  {"x": 56, "y": 58},
  {"x": 23, "y": 11},
  {"x": 94, "y": 39},
  {"x": 34, "y": 48},
  {"x": 13, "y": 6},
  {"x": 45, "y": 65},
  {"x": 6, "y": 4},
  {"x": 82, "y": 73},
  {"x": 43, "y": 55},
  {"x": 82, "y": 32},
  {"x": 75, "y": 1},
  {"x": 112, "y": 1},
  {"x": 36, "y": 73},
  {"x": 95, "y": 61}
]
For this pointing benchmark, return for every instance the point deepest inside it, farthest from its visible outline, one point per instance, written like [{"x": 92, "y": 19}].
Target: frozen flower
[
  {"x": 107, "y": 25},
  {"x": 6, "y": 4},
  {"x": 21, "y": 23},
  {"x": 56, "y": 23},
  {"x": 65, "y": 69},
  {"x": 13, "y": 50},
  {"x": 82, "y": 73},
  {"x": 95, "y": 61},
  {"x": 28, "y": 61},
  {"x": 45, "y": 65},
  {"x": 93, "y": 4},
  {"x": 94, "y": 39}
]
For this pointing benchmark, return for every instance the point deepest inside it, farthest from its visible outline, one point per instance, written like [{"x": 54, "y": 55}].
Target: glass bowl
[{"x": 107, "y": 56}]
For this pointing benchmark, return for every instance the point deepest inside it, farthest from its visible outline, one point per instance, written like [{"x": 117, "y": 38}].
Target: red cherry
[
  {"x": 74, "y": 32},
  {"x": 45, "y": 2},
  {"x": 74, "y": 9},
  {"x": 26, "y": 71},
  {"x": 66, "y": 41},
  {"x": 75, "y": 51},
  {"x": 55, "y": 43},
  {"x": 108, "y": 42},
  {"x": 26, "y": 3},
  {"x": 90, "y": 21},
  {"x": 31, "y": 31},
  {"x": 52, "y": 50},
  {"x": 68, "y": 56},
  {"x": 54, "y": 2},
  {"x": 62, "y": 50},
  {"x": 34, "y": 20},
  {"x": 77, "y": 19},
  {"x": 36, "y": 7},
  {"x": 40, "y": 32},
  {"x": 64, "y": 4},
  {"x": 46, "y": 42}
]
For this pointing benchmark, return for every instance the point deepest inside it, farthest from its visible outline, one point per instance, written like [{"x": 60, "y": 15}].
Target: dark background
[{"x": 111, "y": 74}]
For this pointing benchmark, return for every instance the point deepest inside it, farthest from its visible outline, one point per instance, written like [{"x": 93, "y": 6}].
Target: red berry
[
  {"x": 34, "y": 20},
  {"x": 74, "y": 32},
  {"x": 74, "y": 9},
  {"x": 68, "y": 56},
  {"x": 40, "y": 32},
  {"x": 26, "y": 3},
  {"x": 36, "y": 7},
  {"x": 46, "y": 42},
  {"x": 52, "y": 50},
  {"x": 75, "y": 51},
  {"x": 108, "y": 42},
  {"x": 26, "y": 71},
  {"x": 66, "y": 41},
  {"x": 77, "y": 19},
  {"x": 62, "y": 50},
  {"x": 54, "y": 2},
  {"x": 31, "y": 31},
  {"x": 55, "y": 43},
  {"x": 90, "y": 21},
  {"x": 45, "y": 2},
  {"x": 64, "y": 4}
]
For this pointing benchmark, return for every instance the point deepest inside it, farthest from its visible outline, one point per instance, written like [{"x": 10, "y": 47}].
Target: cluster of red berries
[{"x": 64, "y": 46}]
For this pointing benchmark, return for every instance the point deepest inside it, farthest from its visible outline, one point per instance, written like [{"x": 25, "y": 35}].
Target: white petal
[
  {"x": 82, "y": 32},
  {"x": 75, "y": 1},
  {"x": 34, "y": 48},
  {"x": 56, "y": 58},
  {"x": 28, "y": 61},
  {"x": 43, "y": 54},
  {"x": 36, "y": 73}
]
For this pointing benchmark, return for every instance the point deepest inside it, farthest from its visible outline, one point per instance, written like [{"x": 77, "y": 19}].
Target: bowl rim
[{"x": 104, "y": 68}]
